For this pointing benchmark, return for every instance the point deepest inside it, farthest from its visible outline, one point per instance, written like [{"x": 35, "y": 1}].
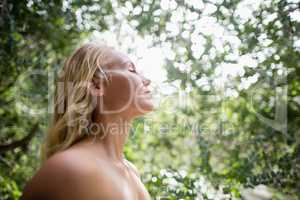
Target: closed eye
[
  {"x": 133, "y": 70},
  {"x": 131, "y": 67}
]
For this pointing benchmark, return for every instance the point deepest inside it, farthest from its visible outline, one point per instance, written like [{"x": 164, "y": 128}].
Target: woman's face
[{"x": 127, "y": 93}]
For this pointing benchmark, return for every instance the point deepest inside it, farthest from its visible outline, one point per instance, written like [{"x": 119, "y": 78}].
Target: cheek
[{"x": 120, "y": 93}]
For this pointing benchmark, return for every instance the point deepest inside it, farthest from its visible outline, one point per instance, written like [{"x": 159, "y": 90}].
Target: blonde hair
[{"x": 73, "y": 104}]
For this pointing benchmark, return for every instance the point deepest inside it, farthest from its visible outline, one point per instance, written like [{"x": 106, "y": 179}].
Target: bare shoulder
[
  {"x": 67, "y": 162},
  {"x": 133, "y": 167},
  {"x": 68, "y": 174}
]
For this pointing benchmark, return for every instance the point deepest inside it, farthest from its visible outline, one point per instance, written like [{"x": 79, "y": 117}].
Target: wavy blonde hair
[{"x": 73, "y": 104}]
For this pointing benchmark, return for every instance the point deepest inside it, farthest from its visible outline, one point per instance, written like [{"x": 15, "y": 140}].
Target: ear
[{"x": 96, "y": 87}]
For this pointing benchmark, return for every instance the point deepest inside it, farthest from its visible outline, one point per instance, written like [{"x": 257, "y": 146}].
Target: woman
[{"x": 98, "y": 94}]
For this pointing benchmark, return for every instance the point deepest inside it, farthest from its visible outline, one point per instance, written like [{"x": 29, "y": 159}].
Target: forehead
[{"x": 115, "y": 59}]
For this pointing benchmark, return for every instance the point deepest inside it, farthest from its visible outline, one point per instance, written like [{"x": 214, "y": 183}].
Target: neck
[{"x": 116, "y": 130}]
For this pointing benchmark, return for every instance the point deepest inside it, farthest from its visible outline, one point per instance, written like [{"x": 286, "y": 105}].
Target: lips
[{"x": 145, "y": 90}]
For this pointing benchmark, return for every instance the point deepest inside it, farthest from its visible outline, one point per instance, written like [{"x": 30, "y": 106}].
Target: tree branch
[{"x": 19, "y": 143}]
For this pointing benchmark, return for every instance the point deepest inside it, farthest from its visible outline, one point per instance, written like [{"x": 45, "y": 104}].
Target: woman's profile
[{"x": 98, "y": 94}]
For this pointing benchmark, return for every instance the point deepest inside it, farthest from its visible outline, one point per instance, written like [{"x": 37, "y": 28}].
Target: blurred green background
[{"x": 227, "y": 119}]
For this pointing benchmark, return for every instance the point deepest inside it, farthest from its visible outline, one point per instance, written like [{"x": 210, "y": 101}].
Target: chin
[
  {"x": 149, "y": 108},
  {"x": 145, "y": 107}
]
